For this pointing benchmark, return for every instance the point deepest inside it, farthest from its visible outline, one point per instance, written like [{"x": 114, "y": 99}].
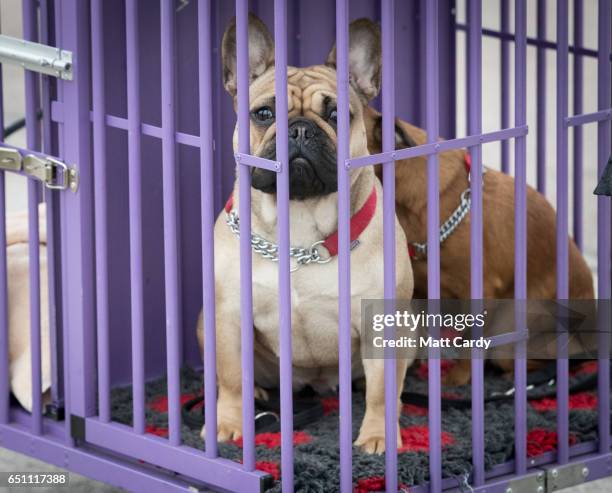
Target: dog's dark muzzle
[{"x": 312, "y": 163}]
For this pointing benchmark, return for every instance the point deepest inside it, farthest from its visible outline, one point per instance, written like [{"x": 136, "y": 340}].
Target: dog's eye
[
  {"x": 263, "y": 114},
  {"x": 333, "y": 116}
]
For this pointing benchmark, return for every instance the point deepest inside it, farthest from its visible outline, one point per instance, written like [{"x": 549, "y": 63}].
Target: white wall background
[{"x": 491, "y": 83}]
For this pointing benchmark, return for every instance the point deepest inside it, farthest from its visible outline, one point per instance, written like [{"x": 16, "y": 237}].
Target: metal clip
[
  {"x": 10, "y": 159},
  {"x": 55, "y": 174}
]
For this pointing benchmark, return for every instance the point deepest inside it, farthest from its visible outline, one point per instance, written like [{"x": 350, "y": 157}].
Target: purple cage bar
[
  {"x": 173, "y": 319},
  {"x": 344, "y": 259},
  {"x": 520, "y": 235},
  {"x": 30, "y": 32},
  {"x": 208, "y": 224},
  {"x": 92, "y": 310},
  {"x": 476, "y": 238},
  {"x": 388, "y": 145},
  {"x": 246, "y": 267},
  {"x": 284, "y": 274},
  {"x": 562, "y": 245},
  {"x": 135, "y": 220},
  {"x": 100, "y": 209},
  {"x": 433, "y": 227},
  {"x": 4, "y": 336}
]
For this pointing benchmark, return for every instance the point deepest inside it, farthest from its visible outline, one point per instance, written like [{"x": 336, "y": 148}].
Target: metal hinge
[
  {"x": 55, "y": 174},
  {"x": 37, "y": 57},
  {"x": 532, "y": 483},
  {"x": 560, "y": 477}
]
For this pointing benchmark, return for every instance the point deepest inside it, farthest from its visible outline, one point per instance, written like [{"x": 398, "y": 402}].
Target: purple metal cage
[{"x": 125, "y": 250}]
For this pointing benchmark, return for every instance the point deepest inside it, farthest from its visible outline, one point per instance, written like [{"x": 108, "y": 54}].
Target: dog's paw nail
[
  {"x": 371, "y": 445},
  {"x": 261, "y": 394},
  {"x": 228, "y": 432}
]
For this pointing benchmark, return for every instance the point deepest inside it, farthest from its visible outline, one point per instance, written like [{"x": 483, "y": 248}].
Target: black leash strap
[{"x": 535, "y": 380}]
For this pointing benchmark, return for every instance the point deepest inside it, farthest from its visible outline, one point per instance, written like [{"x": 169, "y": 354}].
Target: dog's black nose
[{"x": 301, "y": 130}]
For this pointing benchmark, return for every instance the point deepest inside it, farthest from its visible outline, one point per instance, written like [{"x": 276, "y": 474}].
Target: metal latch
[
  {"x": 37, "y": 57},
  {"x": 55, "y": 174}
]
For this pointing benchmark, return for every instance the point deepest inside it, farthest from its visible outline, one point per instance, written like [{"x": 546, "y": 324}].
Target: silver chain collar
[
  {"x": 450, "y": 225},
  {"x": 269, "y": 250},
  {"x": 308, "y": 255}
]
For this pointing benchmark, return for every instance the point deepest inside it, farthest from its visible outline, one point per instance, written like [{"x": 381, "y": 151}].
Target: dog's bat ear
[
  {"x": 365, "y": 58},
  {"x": 261, "y": 52}
]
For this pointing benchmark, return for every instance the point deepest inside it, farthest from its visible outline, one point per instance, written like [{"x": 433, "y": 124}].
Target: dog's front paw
[
  {"x": 371, "y": 439},
  {"x": 226, "y": 431},
  {"x": 229, "y": 430},
  {"x": 371, "y": 444}
]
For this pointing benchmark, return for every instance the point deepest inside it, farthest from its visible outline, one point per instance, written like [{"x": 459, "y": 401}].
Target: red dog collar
[{"x": 359, "y": 222}]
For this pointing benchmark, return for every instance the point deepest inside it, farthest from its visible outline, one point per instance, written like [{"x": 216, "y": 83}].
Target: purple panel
[
  {"x": 389, "y": 218},
  {"x": 100, "y": 178},
  {"x": 171, "y": 232},
  {"x": 189, "y": 167},
  {"x": 344, "y": 260},
  {"x": 433, "y": 227},
  {"x": 562, "y": 227},
  {"x": 30, "y": 32},
  {"x": 208, "y": 223},
  {"x": 541, "y": 98},
  {"x": 135, "y": 214},
  {"x": 520, "y": 234},
  {"x": 284, "y": 275},
  {"x": 246, "y": 267},
  {"x": 604, "y": 140},
  {"x": 116, "y": 164},
  {"x": 447, "y": 68},
  {"x": 476, "y": 249}
]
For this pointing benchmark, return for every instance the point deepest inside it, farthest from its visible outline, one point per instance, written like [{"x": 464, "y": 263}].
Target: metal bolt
[
  {"x": 509, "y": 490},
  {"x": 540, "y": 489},
  {"x": 585, "y": 472},
  {"x": 393, "y": 155},
  {"x": 540, "y": 476},
  {"x": 555, "y": 473},
  {"x": 347, "y": 164},
  {"x": 277, "y": 165}
]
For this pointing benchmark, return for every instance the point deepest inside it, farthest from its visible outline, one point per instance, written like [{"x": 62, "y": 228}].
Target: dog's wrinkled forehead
[{"x": 309, "y": 89}]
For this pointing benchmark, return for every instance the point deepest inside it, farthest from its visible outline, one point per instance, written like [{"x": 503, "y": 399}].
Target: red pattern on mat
[
  {"x": 272, "y": 440},
  {"x": 416, "y": 439},
  {"x": 156, "y": 430},
  {"x": 330, "y": 405},
  {"x": 160, "y": 404},
  {"x": 414, "y": 410},
  {"x": 540, "y": 441},
  {"x": 579, "y": 401},
  {"x": 269, "y": 467},
  {"x": 374, "y": 483}
]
